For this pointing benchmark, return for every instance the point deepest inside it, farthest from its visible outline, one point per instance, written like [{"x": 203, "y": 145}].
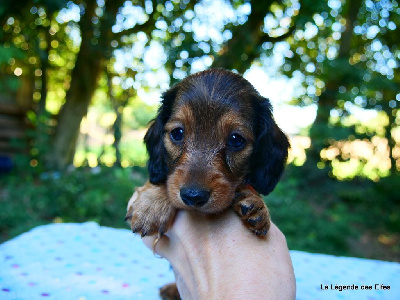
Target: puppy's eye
[
  {"x": 236, "y": 142},
  {"x": 177, "y": 134}
]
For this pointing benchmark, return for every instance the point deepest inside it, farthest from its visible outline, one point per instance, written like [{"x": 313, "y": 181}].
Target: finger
[
  {"x": 158, "y": 244},
  {"x": 148, "y": 241}
]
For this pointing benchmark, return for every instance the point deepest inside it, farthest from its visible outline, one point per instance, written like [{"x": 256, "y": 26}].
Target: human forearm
[{"x": 218, "y": 258}]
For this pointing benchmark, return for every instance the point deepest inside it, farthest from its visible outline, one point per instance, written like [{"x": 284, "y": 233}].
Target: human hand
[{"x": 216, "y": 257}]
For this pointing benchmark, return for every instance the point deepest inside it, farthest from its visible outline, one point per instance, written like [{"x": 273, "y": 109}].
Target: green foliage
[
  {"x": 38, "y": 138},
  {"x": 9, "y": 83},
  {"x": 329, "y": 216},
  {"x": 342, "y": 53},
  {"x": 134, "y": 151},
  {"x": 387, "y": 202},
  {"x": 141, "y": 115},
  {"x": 305, "y": 226},
  {"x": 79, "y": 196},
  {"x": 299, "y": 208}
]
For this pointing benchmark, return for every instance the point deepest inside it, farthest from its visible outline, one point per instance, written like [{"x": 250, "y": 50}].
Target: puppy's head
[{"x": 214, "y": 133}]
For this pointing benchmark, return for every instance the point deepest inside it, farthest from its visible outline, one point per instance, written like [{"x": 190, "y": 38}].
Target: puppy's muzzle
[{"x": 194, "y": 196}]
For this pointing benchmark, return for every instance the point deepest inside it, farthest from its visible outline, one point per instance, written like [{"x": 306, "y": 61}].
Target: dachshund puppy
[{"x": 213, "y": 145}]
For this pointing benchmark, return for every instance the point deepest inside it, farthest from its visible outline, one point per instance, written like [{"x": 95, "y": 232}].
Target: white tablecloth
[{"x": 88, "y": 261}]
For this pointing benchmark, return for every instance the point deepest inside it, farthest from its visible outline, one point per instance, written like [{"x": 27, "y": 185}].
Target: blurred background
[{"x": 81, "y": 79}]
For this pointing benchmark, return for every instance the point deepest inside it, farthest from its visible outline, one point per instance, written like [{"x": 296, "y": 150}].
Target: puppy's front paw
[
  {"x": 252, "y": 210},
  {"x": 149, "y": 211}
]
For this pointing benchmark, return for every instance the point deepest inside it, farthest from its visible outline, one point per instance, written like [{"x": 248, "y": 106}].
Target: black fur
[
  {"x": 157, "y": 166},
  {"x": 270, "y": 149}
]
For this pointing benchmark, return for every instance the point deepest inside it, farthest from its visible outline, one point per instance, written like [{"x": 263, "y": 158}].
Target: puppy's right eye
[
  {"x": 177, "y": 134},
  {"x": 236, "y": 142}
]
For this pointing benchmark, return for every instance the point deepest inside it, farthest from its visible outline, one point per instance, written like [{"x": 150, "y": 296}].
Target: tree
[
  {"x": 94, "y": 49},
  {"x": 343, "y": 67},
  {"x": 31, "y": 37},
  {"x": 119, "y": 100},
  {"x": 333, "y": 44},
  {"x": 237, "y": 41},
  {"x": 99, "y": 41}
]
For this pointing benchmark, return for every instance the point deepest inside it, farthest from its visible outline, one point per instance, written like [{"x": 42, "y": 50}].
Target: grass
[
  {"x": 323, "y": 215},
  {"x": 79, "y": 196},
  {"x": 352, "y": 218}
]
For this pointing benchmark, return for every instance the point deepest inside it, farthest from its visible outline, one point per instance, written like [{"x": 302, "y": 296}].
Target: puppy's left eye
[
  {"x": 236, "y": 142},
  {"x": 177, "y": 134}
]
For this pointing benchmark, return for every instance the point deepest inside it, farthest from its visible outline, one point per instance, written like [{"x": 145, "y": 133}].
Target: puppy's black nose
[{"x": 194, "y": 196}]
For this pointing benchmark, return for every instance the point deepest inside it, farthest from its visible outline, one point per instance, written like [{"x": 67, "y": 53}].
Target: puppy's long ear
[
  {"x": 270, "y": 149},
  {"x": 157, "y": 166}
]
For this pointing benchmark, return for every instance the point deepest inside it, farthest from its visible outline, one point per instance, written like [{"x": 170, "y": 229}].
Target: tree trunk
[
  {"x": 94, "y": 50},
  {"x": 247, "y": 40},
  {"x": 117, "y": 138},
  {"x": 83, "y": 84},
  {"x": 319, "y": 129},
  {"x": 44, "y": 59},
  {"x": 327, "y": 99},
  {"x": 84, "y": 79},
  {"x": 388, "y": 95},
  {"x": 391, "y": 144}
]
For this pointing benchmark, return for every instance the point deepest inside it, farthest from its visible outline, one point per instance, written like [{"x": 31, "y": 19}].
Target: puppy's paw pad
[
  {"x": 259, "y": 222},
  {"x": 254, "y": 221},
  {"x": 245, "y": 208},
  {"x": 261, "y": 232}
]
